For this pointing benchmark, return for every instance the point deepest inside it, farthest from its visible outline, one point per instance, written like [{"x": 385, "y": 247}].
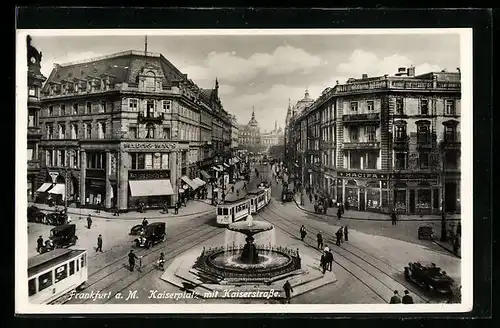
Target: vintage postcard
[{"x": 230, "y": 171}]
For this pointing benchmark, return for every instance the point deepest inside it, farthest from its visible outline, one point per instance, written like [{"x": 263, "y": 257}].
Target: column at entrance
[
  {"x": 122, "y": 185},
  {"x": 107, "y": 201},
  {"x": 83, "y": 177}
]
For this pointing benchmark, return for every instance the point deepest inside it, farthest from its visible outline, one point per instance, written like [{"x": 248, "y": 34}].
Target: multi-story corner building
[
  {"x": 234, "y": 133},
  {"x": 35, "y": 81},
  {"x": 126, "y": 128},
  {"x": 249, "y": 135},
  {"x": 384, "y": 143},
  {"x": 272, "y": 138}
]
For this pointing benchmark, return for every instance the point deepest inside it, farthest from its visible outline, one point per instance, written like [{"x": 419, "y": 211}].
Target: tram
[
  {"x": 232, "y": 211},
  {"x": 56, "y": 273}
]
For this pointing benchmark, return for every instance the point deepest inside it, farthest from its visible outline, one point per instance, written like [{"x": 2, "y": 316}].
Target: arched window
[
  {"x": 149, "y": 81},
  {"x": 74, "y": 131},
  {"x": 149, "y": 131},
  {"x": 61, "y": 131}
]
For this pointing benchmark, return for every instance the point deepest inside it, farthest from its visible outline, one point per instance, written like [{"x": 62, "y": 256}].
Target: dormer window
[{"x": 149, "y": 82}]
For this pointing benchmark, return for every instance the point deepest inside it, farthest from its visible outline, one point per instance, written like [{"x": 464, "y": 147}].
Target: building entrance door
[{"x": 412, "y": 201}]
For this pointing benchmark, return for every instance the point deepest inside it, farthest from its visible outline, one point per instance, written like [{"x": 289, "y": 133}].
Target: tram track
[
  {"x": 380, "y": 271},
  {"x": 112, "y": 271}
]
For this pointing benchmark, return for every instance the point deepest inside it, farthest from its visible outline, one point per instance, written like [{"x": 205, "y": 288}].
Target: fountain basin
[{"x": 250, "y": 228}]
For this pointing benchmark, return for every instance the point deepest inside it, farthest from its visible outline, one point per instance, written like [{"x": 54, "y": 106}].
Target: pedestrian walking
[
  {"x": 339, "y": 213},
  {"x": 310, "y": 198},
  {"x": 131, "y": 260},
  {"x": 337, "y": 241},
  {"x": 407, "y": 299},
  {"x": 393, "y": 218},
  {"x": 346, "y": 234},
  {"x": 287, "y": 287},
  {"x": 39, "y": 244},
  {"x": 144, "y": 223},
  {"x": 89, "y": 222},
  {"x": 341, "y": 234},
  {"x": 322, "y": 263},
  {"x": 319, "y": 238},
  {"x": 329, "y": 260},
  {"x": 161, "y": 262},
  {"x": 303, "y": 232},
  {"x": 395, "y": 299},
  {"x": 98, "y": 209},
  {"x": 99, "y": 244},
  {"x": 176, "y": 208},
  {"x": 165, "y": 208}
]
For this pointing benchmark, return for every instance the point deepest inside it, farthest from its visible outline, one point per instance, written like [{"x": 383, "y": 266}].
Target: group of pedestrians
[
  {"x": 326, "y": 261},
  {"x": 396, "y": 299}
]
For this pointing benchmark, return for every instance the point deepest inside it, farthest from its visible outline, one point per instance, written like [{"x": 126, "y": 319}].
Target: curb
[
  {"x": 135, "y": 218},
  {"x": 362, "y": 219},
  {"x": 445, "y": 248}
]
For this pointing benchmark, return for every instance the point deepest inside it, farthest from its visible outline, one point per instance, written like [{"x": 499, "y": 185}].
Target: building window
[
  {"x": 132, "y": 104},
  {"x": 133, "y": 132},
  {"x": 423, "y": 134},
  {"x": 59, "y": 158},
  {"x": 450, "y": 107},
  {"x": 166, "y": 133},
  {"x": 150, "y": 131},
  {"x": 137, "y": 161},
  {"x": 150, "y": 108},
  {"x": 51, "y": 111},
  {"x": 88, "y": 108},
  {"x": 61, "y": 131},
  {"x": 101, "y": 130},
  {"x": 355, "y": 160},
  {"x": 167, "y": 106},
  {"x": 354, "y": 106},
  {"x": 31, "y": 120},
  {"x": 87, "y": 130},
  {"x": 371, "y": 161},
  {"x": 450, "y": 133},
  {"x": 164, "y": 161},
  {"x": 72, "y": 159},
  {"x": 96, "y": 160},
  {"x": 400, "y": 133},
  {"x": 424, "y": 107},
  {"x": 74, "y": 131},
  {"x": 399, "y": 106},
  {"x": 451, "y": 159},
  {"x": 424, "y": 160},
  {"x": 103, "y": 106},
  {"x": 371, "y": 134},
  {"x": 75, "y": 109},
  {"x": 63, "y": 109},
  {"x": 30, "y": 152},
  {"x": 370, "y": 105},
  {"x": 400, "y": 161},
  {"x": 354, "y": 134},
  {"x": 50, "y": 131},
  {"x": 149, "y": 82}
]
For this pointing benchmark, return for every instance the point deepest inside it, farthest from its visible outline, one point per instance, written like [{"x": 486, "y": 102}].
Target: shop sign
[
  {"x": 361, "y": 175},
  {"x": 148, "y": 174},
  {"x": 97, "y": 184},
  {"x": 414, "y": 176},
  {"x": 149, "y": 146}
]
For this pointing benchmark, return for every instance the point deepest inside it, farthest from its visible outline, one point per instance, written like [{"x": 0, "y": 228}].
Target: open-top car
[
  {"x": 425, "y": 232},
  {"x": 319, "y": 208},
  {"x": 429, "y": 276},
  {"x": 63, "y": 235},
  {"x": 287, "y": 196},
  {"x": 154, "y": 233},
  {"x": 35, "y": 214},
  {"x": 137, "y": 230},
  {"x": 57, "y": 218}
]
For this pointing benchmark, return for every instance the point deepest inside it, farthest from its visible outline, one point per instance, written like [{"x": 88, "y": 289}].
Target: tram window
[
  {"x": 45, "y": 280},
  {"x": 82, "y": 261},
  {"x": 77, "y": 265},
  {"x": 225, "y": 211},
  {"x": 219, "y": 210},
  {"x": 71, "y": 268},
  {"x": 61, "y": 273},
  {"x": 31, "y": 287}
]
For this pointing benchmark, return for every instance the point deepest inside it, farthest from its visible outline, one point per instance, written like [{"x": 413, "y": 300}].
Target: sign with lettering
[
  {"x": 362, "y": 175},
  {"x": 149, "y": 145},
  {"x": 148, "y": 174},
  {"x": 414, "y": 176}
]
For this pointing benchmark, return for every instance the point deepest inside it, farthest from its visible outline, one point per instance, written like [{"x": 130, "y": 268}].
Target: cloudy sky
[{"x": 265, "y": 71}]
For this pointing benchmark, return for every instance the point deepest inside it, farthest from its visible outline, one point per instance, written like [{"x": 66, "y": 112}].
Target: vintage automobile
[
  {"x": 137, "y": 230},
  {"x": 287, "y": 196},
  {"x": 63, "y": 235},
  {"x": 319, "y": 208},
  {"x": 430, "y": 277},
  {"x": 425, "y": 232},
  {"x": 35, "y": 214},
  {"x": 153, "y": 234},
  {"x": 57, "y": 218}
]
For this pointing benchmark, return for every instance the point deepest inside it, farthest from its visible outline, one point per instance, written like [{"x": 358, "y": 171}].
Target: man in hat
[
  {"x": 395, "y": 299},
  {"x": 407, "y": 299}
]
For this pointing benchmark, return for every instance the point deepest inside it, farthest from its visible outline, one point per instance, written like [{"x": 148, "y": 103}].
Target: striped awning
[
  {"x": 141, "y": 188},
  {"x": 46, "y": 186},
  {"x": 189, "y": 182},
  {"x": 59, "y": 189},
  {"x": 205, "y": 174},
  {"x": 199, "y": 182}
]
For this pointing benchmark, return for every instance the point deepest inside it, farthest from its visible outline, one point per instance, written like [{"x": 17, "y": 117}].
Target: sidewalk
[
  {"x": 371, "y": 216},
  {"x": 194, "y": 207}
]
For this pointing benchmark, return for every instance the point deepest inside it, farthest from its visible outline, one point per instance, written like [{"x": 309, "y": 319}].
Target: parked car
[
  {"x": 137, "y": 230},
  {"x": 35, "y": 214},
  {"x": 154, "y": 233},
  {"x": 287, "y": 196},
  {"x": 57, "y": 218},
  {"x": 429, "y": 276},
  {"x": 425, "y": 232},
  {"x": 63, "y": 235}
]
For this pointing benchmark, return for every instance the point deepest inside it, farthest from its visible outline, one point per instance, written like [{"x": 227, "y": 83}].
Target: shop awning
[
  {"x": 140, "y": 188},
  {"x": 205, "y": 175},
  {"x": 217, "y": 168},
  {"x": 189, "y": 182},
  {"x": 199, "y": 182},
  {"x": 59, "y": 189},
  {"x": 46, "y": 186}
]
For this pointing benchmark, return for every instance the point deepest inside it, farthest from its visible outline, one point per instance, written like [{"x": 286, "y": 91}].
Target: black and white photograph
[{"x": 224, "y": 171}]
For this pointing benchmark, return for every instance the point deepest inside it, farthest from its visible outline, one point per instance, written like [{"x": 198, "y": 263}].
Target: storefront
[
  {"x": 95, "y": 191},
  {"x": 152, "y": 188},
  {"x": 362, "y": 191},
  {"x": 373, "y": 196},
  {"x": 416, "y": 193}
]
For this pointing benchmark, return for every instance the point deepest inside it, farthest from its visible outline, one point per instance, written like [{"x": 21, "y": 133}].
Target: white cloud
[
  {"x": 227, "y": 66},
  {"x": 364, "y": 62}
]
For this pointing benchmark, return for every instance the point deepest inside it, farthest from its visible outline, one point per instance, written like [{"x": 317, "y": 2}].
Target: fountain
[{"x": 248, "y": 262}]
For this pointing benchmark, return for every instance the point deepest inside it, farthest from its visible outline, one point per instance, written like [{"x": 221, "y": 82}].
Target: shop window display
[
  {"x": 400, "y": 200},
  {"x": 373, "y": 196},
  {"x": 423, "y": 200},
  {"x": 351, "y": 194}
]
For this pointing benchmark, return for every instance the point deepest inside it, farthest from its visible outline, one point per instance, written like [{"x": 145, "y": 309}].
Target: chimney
[
  {"x": 364, "y": 76},
  {"x": 411, "y": 71},
  {"x": 401, "y": 70}
]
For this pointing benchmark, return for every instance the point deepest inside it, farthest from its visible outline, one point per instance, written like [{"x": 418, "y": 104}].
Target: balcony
[
  {"x": 361, "y": 118},
  {"x": 34, "y": 132},
  {"x": 151, "y": 118},
  {"x": 33, "y": 164},
  {"x": 401, "y": 143},
  {"x": 361, "y": 145}
]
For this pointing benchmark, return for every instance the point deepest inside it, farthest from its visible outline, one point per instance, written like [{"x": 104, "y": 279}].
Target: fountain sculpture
[{"x": 248, "y": 262}]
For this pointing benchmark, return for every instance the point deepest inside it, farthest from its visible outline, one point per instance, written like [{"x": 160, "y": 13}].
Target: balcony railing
[
  {"x": 361, "y": 145},
  {"x": 352, "y": 118},
  {"x": 151, "y": 118},
  {"x": 33, "y": 164}
]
